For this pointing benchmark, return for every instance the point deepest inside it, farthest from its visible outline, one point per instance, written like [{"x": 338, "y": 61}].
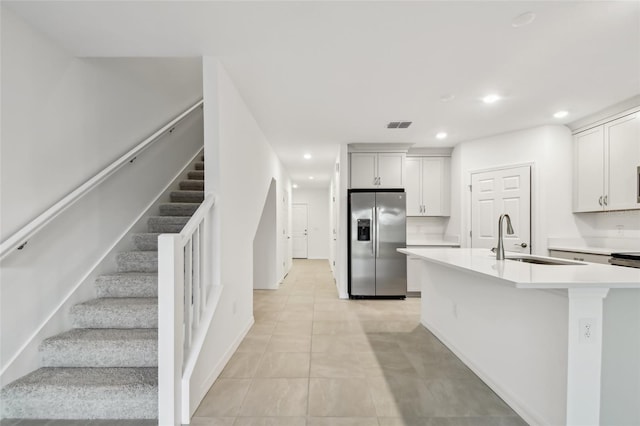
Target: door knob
[{"x": 523, "y": 245}]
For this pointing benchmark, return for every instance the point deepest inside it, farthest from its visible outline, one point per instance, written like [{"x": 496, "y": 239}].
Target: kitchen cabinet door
[
  {"x": 589, "y": 170},
  {"x": 413, "y": 186},
  {"x": 363, "y": 170},
  {"x": 623, "y": 152},
  {"x": 435, "y": 188},
  {"x": 391, "y": 170}
]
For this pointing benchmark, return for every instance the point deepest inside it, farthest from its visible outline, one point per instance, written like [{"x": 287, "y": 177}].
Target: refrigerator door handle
[
  {"x": 377, "y": 212},
  {"x": 374, "y": 229}
]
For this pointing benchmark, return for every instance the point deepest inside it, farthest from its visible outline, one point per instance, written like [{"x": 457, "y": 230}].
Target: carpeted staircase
[{"x": 106, "y": 367}]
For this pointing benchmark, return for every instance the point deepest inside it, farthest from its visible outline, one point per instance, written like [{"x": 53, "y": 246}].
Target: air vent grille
[{"x": 398, "y": 124}]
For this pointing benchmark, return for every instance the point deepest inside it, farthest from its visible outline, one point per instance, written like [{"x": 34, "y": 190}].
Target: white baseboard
[{"x": 528, "y": 415}]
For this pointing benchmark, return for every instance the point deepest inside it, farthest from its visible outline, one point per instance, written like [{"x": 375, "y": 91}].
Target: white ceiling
[{"x": 319, "y": 74}]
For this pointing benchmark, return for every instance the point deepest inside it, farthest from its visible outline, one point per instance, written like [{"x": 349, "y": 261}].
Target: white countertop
[
  {"x": 431, "y": 243},
  {"x": 527, "y": 275},
  {"x": 586, "y": 249},
  {"x": 595, "y": 245}
]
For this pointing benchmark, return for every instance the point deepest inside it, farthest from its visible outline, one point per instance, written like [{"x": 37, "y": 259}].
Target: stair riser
[
  {"x": 166, "y": 224},
  {"x": 126, "y": 353},
  {"x": 198, "y": 174},
  {"x": 187, "y": 196},
  {"x": 192, "y": 185},
  {"x": 178, "y": 209},
  {"x": 137, "y": 262},
  {"x": 146, "y": 242},
  {"x": 199, "y": 166},
  {"x": 124, "y": 286},
  {"x": 83, "y": 316}
]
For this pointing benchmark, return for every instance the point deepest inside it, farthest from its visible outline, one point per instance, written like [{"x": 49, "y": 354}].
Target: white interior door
[
  {"x": 494, "y": 193},
  {"x": 299, "y": 231}
]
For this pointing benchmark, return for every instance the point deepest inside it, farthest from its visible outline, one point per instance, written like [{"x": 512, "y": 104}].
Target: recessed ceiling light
[
  {"x": 448, "y": 97},
  {"x": 307, "y": 156},
  {"x": 523, "y": 19},
  {"x": 489, "y": 99},
  {"x": 311, "y": 177},
  {"x": 441, "y": 135},
  {"x": 561, "y": 114},
  {"x": 295, "y": 185}
]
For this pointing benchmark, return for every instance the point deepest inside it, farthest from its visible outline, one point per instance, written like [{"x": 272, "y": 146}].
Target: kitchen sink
[{"x": 543, "y": 260}]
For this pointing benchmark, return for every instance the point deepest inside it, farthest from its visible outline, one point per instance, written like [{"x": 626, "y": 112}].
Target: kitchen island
[{"x": 536, "y": 334}]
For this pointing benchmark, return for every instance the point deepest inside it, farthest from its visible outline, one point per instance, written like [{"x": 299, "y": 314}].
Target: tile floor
[{"x": 312, "y": 359}]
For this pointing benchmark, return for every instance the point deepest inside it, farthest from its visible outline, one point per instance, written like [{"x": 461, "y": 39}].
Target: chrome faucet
[{"x": 500, "y": 249}]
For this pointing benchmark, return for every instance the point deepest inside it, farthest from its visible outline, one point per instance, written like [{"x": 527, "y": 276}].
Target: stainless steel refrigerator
[{"x": 377, "y": 228}]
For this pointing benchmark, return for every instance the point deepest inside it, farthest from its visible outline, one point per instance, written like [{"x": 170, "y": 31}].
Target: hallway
[{"x": 313, "y": 359}]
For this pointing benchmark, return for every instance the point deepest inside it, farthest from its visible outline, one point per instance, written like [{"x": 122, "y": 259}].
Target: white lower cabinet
[{"x": 579, "y": 256}]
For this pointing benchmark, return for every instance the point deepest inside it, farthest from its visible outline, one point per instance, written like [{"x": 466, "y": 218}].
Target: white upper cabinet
[
  {"x": 623, "y": 149},
  {"x": 428, "y": 186},
  {"x": 607, "y": 162},
  {"x": 377, "y": 170}
]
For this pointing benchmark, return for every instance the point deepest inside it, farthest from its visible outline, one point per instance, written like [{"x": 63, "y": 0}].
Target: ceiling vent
[{"x": 399, "y": 124}]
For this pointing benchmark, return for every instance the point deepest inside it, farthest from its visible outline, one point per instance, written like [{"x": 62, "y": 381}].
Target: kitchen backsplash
[{"x": 422, "y": 230}]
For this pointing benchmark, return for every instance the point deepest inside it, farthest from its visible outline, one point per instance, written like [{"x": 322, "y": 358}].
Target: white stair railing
[{"x": 185, "y": 298}]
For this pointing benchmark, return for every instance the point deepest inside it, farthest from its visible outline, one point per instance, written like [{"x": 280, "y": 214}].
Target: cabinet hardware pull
[
  {"x": 600, "y": 200},
  {"x": 606, "y": 198},
  {"x": 523, "y": 245}
]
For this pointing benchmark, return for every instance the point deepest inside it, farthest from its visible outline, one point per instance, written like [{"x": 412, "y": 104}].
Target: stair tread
[
  {"x": 83, "y": 393},
  {"x": 104, "y": 334},
  {"x": 86, "y": 380},
  {"x": 120, "y": 301}
]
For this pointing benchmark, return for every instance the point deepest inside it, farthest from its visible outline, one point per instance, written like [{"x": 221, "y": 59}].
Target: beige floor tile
[
  {"x": 212, "y": 421},
  {"x": 296, "y": 315},
  {"x": 334, "y": 316},
  {"x": 342, "y": 421},
  {"x": 242, "y": 365},
  {"x": 332, "y": 365},
  {"x": 276, "y": 397},
  {"x": 402, "y": 396},
  {"x": 270, "y": 421},
  {"x": 254, "y": 344},
  {"x": 296, "y": 328},
  {"x": 340, "y": 343},
  {"x": 337, "y": 327},
  {"x": 436, "y": 365},
  {"x": 331, "y": 305},
  {"x": 340, "y": 398},
  {"x": 261, "y": 316},
  {"x": 288, "y": 343},
  {"x": 224, "y": 399},
  {"x": 300, "y": 300},
  {"x": 262, "y": 328},
  {"x": 284, "y": 364}
]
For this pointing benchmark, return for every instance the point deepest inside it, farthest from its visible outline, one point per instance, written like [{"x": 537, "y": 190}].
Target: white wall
[
  {"x": 240, "y": 167},
  {"x": 63, "y": 120},
  {"x": 549, "y": 149},
  {"x": 340, "y": 182},
  {"x": 318, "y": 212},
  {"x": 265, "y": 245}
]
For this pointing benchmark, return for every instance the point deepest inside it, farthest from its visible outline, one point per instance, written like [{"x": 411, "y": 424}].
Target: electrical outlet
[{"x": 587, "y": 330}]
